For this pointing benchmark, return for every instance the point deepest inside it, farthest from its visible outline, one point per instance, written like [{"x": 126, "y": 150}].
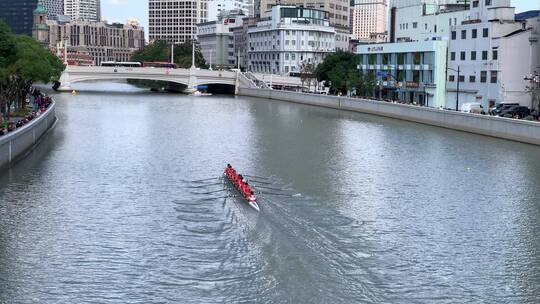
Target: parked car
[
  {"x": 473, "y": 107},
  {"x": 516, "y": 111},
  {"x": 496, "y": 110}
]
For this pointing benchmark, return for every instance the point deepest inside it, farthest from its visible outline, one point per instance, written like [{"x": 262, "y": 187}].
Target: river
[{"x": 109, "y": 209}]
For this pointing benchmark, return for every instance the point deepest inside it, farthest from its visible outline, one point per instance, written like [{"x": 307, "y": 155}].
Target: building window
[
  {"x": 461, "y": 78},
  {"x": 488, "y": 2},
  {"x": 474, "y": 33},
  {"x": 453, "y": 56},
  {"x": 451, "y": 78},
  {"x": 484, "y": 55},
  {"x": 463, "y": 34},
  {"x": 494, "y": 55},
  {"x": 473, "y": 55},
  {"x": 415, "y": 24},
  {"x": 483, "y": 76},
  {"x": 472, "y": 78},
  {"x": 454, "y": 35},
  {"x": 493, "y": 76},
  {"x": 462, "y": 55},
  {"x": 485, "y": 33},
  {"x": 475, "y": 3}
]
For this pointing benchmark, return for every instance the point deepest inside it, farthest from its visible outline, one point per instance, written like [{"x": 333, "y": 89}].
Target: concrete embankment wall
[
  {"x": 512, "y": 129},
  {"x": 16, "y": 144}
]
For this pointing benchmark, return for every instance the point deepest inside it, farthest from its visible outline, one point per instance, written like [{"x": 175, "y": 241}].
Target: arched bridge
[{"x": 190, "y": 77}]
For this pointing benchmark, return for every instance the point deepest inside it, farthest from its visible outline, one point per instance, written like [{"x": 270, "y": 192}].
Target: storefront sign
[
  {"x": 375, "y": 49},
  {"x": 410, "y": 84}
]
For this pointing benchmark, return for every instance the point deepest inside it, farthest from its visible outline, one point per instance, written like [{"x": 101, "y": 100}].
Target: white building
[
  {"x": 175, "y": 20},
  {"x": 287, "y": 37},
  {"x": 215, "y": 7},
  {"x": 369, "y": 20},
  {"x": 419, "y": 20},
  {"x": 493, "y": 53},
  {"x": 338, "y": 10},
  {"x": 413, "y": 72},
  {"x": 54, "y": 8},
  {"x": 83, "y": 9},
  {"x": 217, "y": 41}
]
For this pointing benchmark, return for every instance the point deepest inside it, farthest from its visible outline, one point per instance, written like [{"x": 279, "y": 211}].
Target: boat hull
[{"x": 253, "y": 205}]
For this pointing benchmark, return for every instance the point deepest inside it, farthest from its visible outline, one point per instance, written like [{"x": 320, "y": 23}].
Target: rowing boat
[{"x": 251, "y": 202}]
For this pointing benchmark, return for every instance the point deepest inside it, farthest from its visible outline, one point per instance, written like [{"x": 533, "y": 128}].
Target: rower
[{"x": 252, "y": 198}]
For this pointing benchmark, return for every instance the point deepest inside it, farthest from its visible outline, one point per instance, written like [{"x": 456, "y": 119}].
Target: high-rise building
[
  {"x": 18, "y": 13},
  {"x": 215, "y": 7},
  {"x": 83, "y": 9},
  {"x": 84, "y": 42},
  {"x": 288, "y": 38},
  {"x": 175, "y": 20},
  {"x": 338, "y": 9},
  {"x": 369, "y": 20}
]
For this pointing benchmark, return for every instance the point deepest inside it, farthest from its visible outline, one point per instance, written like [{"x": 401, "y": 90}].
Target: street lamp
[{"x": 457, "y": 89}]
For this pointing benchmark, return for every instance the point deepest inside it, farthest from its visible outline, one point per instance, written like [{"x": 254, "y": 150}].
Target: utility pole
[
  {"x": 172, "y": 53},
  {"x": 457, "y": 93},
  {"x": 534, "y": 80},
  {"x": 193, "y": 54},
  {"x": 457, "y": 90}
]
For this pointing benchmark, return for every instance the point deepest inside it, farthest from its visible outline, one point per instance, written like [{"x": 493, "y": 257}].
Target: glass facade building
[{"x": 19, "y": 14}]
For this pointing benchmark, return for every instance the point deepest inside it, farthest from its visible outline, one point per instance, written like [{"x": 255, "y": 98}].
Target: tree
[
  {"x": 161, "y": 51},
  {"x": 307, "y": 73},
  {"x": 367, "y": 84},
  {"x": 7, "y": 53},
  {"x": 23, "y": 61},
  {"x": 340, "y": 69}
]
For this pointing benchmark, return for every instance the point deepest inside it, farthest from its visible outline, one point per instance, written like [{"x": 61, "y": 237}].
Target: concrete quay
[
  {"x": 15, "y": 145},
  {"x": 499, "y": 127}
]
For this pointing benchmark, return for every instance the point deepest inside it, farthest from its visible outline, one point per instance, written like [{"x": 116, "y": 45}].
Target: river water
[{"x": 109, "y": 209}]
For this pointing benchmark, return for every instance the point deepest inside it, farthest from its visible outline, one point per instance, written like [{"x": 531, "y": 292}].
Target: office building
[
  {"x": 419, "y": 20},
  {"x": 287, "y": 37},
  {"x": 217, "y": 40},
  {"x": 215, "y": 7},
  {"x": 241, "y": 41},
  {"x": 86, "y": 42},
  {"x": 338, "y": 10},
  {"x": 175, "y": 20},
  {"x": 414, "y": 72},
  {"x": 83, "y": 9},
  {"x": 493, "y": 53},
  {"x": 18, "y": 14},
  {"x": 369, "y": 20}
]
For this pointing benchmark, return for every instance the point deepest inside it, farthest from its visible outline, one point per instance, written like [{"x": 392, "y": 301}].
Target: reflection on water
[{"x": 105, "y": 210}]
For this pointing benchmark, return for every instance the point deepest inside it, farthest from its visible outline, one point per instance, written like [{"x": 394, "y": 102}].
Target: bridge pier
[{"x": 192, "y": 83}]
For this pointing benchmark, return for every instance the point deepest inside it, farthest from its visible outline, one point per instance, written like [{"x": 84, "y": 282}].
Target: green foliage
[
  {"x": 340, "y": 69},
  {"x": 23, "y": 61},
  {"x": 161, "y": 51}
]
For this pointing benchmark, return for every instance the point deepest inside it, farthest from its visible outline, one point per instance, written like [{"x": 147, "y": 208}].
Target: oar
[
  {"x": 204, "y": 179},
  {"x": 255, "y": 176},
  {"x": 269, "y": 188},
  {"x": 207, "y": 185},
  {"x": 281, "y": 194},
  {"x": 259, "y": 182},
  {"x": 210, "y": 192},
  {"x": 217, "y": 197}
]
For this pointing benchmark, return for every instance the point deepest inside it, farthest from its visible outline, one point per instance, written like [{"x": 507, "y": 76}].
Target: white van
[{"x": 472, "y": 107}]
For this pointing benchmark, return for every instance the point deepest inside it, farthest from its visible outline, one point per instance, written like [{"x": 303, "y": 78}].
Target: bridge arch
[{"x": 187, "y": 77}]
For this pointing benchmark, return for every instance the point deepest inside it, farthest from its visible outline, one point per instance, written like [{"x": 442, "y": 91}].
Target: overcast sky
[{"x": 121, "y": 10}]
